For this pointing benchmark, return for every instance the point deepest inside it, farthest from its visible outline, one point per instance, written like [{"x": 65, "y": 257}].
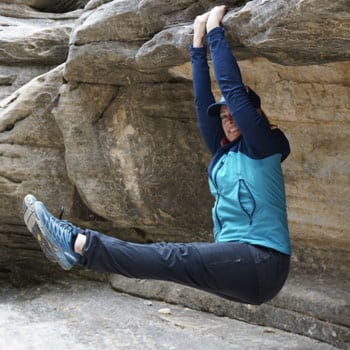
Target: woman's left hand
[{"x": 215, "y": 17}]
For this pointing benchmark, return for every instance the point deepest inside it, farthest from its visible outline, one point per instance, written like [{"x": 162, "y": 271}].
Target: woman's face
[{"x": 228, "y": 124}]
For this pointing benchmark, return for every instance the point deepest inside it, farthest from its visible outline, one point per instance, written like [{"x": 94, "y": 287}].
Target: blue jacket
[{"x": 245, "y": 175}]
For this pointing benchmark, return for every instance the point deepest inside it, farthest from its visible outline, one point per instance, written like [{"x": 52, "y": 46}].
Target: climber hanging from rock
[{"x": 248, "y": 261}]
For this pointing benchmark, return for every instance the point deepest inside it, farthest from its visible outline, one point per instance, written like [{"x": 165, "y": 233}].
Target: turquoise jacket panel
[{"x": 250, "y": 201}]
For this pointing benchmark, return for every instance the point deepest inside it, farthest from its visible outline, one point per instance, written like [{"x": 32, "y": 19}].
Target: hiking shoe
[
  {"x": 32, "y": 225},
  {"x": 59, "y": 236}
]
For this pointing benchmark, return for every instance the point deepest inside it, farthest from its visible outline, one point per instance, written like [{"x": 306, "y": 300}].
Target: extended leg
[
  {"x": 226, "y": 269},
  {"x": 234, "y": 270}
]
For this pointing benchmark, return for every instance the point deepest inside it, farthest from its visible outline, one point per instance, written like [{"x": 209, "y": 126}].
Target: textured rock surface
[
  {"x": 293, "y": 32},
  {"x": 31, "y": 43},
  {"x": 61, "y": 315},
  {"x": 306, "y": 305},
  {"x": 109, "y": 129},
  {"x": 51, "y": 5}
]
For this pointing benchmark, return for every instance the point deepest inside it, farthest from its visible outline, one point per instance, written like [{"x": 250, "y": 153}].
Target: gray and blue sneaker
[
  {"x": 59, "y": 235},
  {"x": 32, "y": 225},
  {"x": 54, "y": 236}
]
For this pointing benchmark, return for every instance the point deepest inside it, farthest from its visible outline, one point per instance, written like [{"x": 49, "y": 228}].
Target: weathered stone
[
  {"x": 52, "y": 5},
  {"x": 107, "y": 319},
  {"x": 306, "y": 305},
  {"x": 133, "y": 146},
  {"x": 32, "y": 161},
  {"x": 293, "y": 32},
  {"x": 31, "y": 43},
  {"x": 92, "y": 4},
  {"x": 103, "y": 63},
  {"x": 7, "y": 79},
  {"x": 31, "y": 157},
  {"x": 116, "y": 21},
  {"x": 49, "y": 47},
  {"x": 174, "y": 44},
  {"x": 20, "y": 12},
  {"x": 13, "y": 77}
]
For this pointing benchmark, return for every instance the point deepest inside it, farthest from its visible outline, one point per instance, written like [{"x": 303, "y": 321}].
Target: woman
[{"x": 249, "y": 260}]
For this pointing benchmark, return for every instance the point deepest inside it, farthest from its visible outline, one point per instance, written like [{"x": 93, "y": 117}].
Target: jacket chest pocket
[{"x": 246, "y": 200}]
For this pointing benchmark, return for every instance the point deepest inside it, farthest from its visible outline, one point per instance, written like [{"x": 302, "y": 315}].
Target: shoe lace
[
  {"x": 60, "y": 225},
  {"x": 61, "y": 212}
]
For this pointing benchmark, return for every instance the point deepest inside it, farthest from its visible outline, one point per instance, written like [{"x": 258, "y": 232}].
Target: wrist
[
  {"x": 198, "y": 42},
  {"x": 214, "y": 34},
  {"x": 212, "y": 25}
]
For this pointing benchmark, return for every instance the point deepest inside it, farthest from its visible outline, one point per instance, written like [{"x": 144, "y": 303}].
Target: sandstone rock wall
[
  {"x": 31, "y": 43},
  {"x": 311, "y": 104},
  {"x": 109, "y": 130}
]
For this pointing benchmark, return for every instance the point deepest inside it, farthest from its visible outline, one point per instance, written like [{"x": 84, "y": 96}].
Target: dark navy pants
[{"x": 233, "y": 270}]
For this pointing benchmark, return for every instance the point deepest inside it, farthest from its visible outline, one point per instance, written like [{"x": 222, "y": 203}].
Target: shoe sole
[
  {"x": 50, "y": 240},
  {"x": 32, "y": 225}
]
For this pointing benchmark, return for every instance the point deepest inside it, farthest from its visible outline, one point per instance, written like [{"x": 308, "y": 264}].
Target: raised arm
[
  {"x": 255, "y": 130},
  {"x": 209, "y": 127}
]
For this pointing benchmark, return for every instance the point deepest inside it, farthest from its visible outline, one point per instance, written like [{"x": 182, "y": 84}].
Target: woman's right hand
[{"x": 199, "y": 29}]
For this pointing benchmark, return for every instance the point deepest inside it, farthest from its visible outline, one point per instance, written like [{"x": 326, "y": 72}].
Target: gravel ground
[{"x": 79, "y": 314}]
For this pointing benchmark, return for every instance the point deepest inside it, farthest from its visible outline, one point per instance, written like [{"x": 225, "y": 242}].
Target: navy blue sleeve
[
  {"x": 282, "y": 140},
  {"x": 255, "y": 130},
  {"x": 210, "y": 128}
]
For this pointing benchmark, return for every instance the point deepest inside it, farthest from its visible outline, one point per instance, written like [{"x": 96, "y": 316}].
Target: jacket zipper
[{"x": 218, "y": 193}]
